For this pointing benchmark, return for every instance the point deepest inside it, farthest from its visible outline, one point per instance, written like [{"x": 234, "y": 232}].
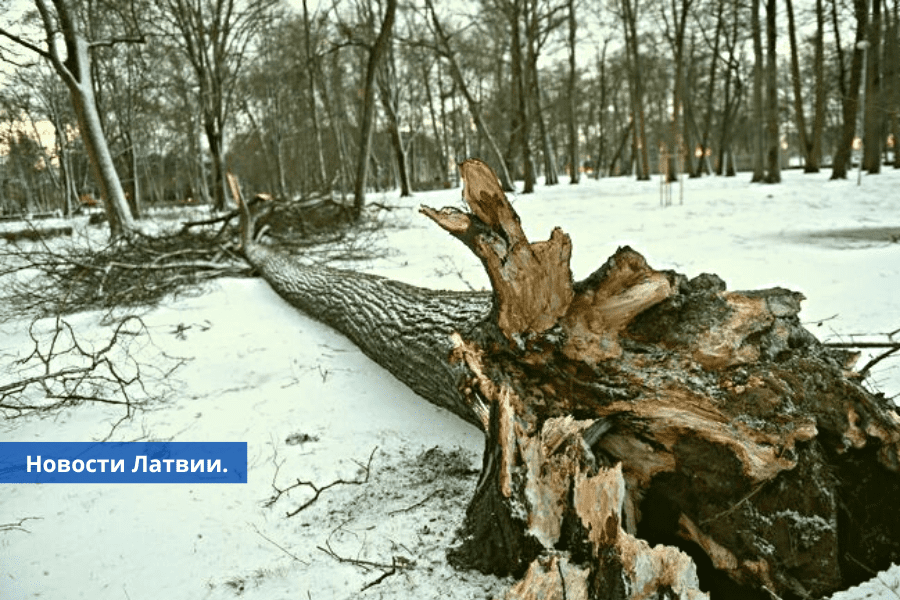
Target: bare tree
[
  {"x": 572, "y": 90},
  {"x": 851, "y": 96},
  {"x": 60, "y": 24},
  {"x": 541, "y": 19},
  {"x": 214, "y": 36},
  {"x": 312, "y": 66},
  {"x": 892, "y": 74},
  {"x": 376, "y": 54},
  {"x": 759, "y": 169},
  {"x": 773, "y": 141},
  {"x": 520, "y": 124},
  {"x": 444, "y": 49},
  {"x": 636, "y": 86},
  {"x": 873, "y": 116},
  {"x": 389, "y": 92},
  {"x": 675, "y": 33}
]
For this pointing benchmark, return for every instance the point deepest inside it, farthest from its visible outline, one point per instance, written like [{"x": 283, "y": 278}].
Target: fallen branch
[
  {"x": 17, "y": 526},
  {"x": 417, "y": 504},
  {"x": 63, "y": 371},
  {"x": 366, "y": 470},
  {"x": 75, "y": 276},
  {"x": 279, "y": 546}
]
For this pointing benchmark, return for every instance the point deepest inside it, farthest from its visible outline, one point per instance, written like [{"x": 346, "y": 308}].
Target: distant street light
[{"x": 864, "y": 46}]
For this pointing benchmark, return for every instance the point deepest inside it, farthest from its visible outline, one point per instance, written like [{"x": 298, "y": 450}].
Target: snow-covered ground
[{"x": 313, "y": 408}]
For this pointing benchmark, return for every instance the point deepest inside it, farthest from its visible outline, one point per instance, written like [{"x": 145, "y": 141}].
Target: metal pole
[{"x": 864, "y": 46}]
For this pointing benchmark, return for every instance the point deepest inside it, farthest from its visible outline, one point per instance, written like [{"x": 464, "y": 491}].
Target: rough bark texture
[
  {"x": 850, "y": 105},
  {"x": 647, "y": 435},
  {"x": 75, "y": 71},
  {"x": 377, "y": 51}
]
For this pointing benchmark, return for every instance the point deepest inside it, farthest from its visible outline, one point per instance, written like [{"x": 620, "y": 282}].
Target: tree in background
[
  {"x": 376, "y": 54},
  {"x": 850, "y": 95},
  {"x": 60, "y": 23},
  {"x": 215, "y": 36},
  {"x": 572, "y": 92},
  {"x": 773, "y": 140}
]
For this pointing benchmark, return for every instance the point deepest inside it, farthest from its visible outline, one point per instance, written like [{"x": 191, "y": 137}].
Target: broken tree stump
[{"x": 647, "y": 435}]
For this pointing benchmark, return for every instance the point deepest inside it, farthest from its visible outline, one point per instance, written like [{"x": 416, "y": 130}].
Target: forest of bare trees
[{"x": 136, "y": 103}]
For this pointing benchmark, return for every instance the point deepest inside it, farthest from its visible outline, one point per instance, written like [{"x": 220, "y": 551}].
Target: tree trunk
[
  {"x": 551, "y": 176},
  {"x": 634, "y": 421},
  {"x": 379, "y": 48},
  {"x": 892, "y": 48},
  {"x": 312, "y": 68},
  {"x": 440, "y": 137},
  {"x": 759, "y": 169},
  {"x": 75, "y": 71},
  {"x": 851, "y": 98},
  {"x": 447, "y": 52},
  {"x": 710, "y": 90},
  {"x": 521, "y": 124},
  {"x": 814, "y": 157},
  {"x": 600, "y": 163},
  {"x": 215, "y": 137},
  {"x": 389, "y": 100},
  {"x": 799, "y": 115},
  {"x": 873, "y": 119},
  {"x": 572, "y": 104},
  {"x": 773, "y": 139},
  {"x": 637, "y": 90},
  {"x": 335, "y": 113}
]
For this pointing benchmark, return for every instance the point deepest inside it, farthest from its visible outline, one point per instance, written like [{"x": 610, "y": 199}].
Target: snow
[{"x": 311, "y": 407}]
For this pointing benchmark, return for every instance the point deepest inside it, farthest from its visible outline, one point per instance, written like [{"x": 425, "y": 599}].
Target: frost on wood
[{"x": 647, "y": 435}]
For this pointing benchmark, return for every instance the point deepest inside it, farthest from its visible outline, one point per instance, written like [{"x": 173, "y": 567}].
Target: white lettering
[
  {"x": 78, "y": 465},
  {"x": 214, "y": 467},
  {"x": 35, "y": 463}
]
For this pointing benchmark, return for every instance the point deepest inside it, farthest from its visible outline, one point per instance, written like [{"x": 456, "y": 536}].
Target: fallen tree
[{"x": 641, "y": 427}]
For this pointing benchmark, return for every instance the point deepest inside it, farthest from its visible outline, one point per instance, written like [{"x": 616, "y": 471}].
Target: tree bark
[
  {"x": 892, "y": 56},
  {"x": 387, "y": 87},
  {"x": 773, "y": 139},
  {"x": 851, "y": 98},
  {"x": 629, "y": 19},
  {"x": 710, "y": 93},
  {"x": 759, "y": 169},
  {"x": 635, "y": 421},
  {"x": 533, "y": 33},
  {"x": 447, "y": 52},
  {"x": 799, "y": 114},
  {"x": 312, "y": 69},
  {"x": 815, "y": 154},
  {"x": 379, "y": 48},
  {"x": 75, "y": 71},
  {"x": 572, "y": 104},
  {"x": 521, "y": 124},
  {"x": 873, "y": 118}
]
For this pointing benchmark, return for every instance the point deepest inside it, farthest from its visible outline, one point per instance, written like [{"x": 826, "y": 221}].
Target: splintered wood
[{"x": 640, "y": 404}]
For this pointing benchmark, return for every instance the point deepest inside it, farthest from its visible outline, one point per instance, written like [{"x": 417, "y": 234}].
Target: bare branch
[
  {"x": 25, "y": 43},
  {"x": 366, "y": 470},
  {"x": 128, "y": 39}
]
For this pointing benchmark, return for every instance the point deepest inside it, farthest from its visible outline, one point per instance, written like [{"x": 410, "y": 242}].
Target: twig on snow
[{"x": 367, "y": 469}]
